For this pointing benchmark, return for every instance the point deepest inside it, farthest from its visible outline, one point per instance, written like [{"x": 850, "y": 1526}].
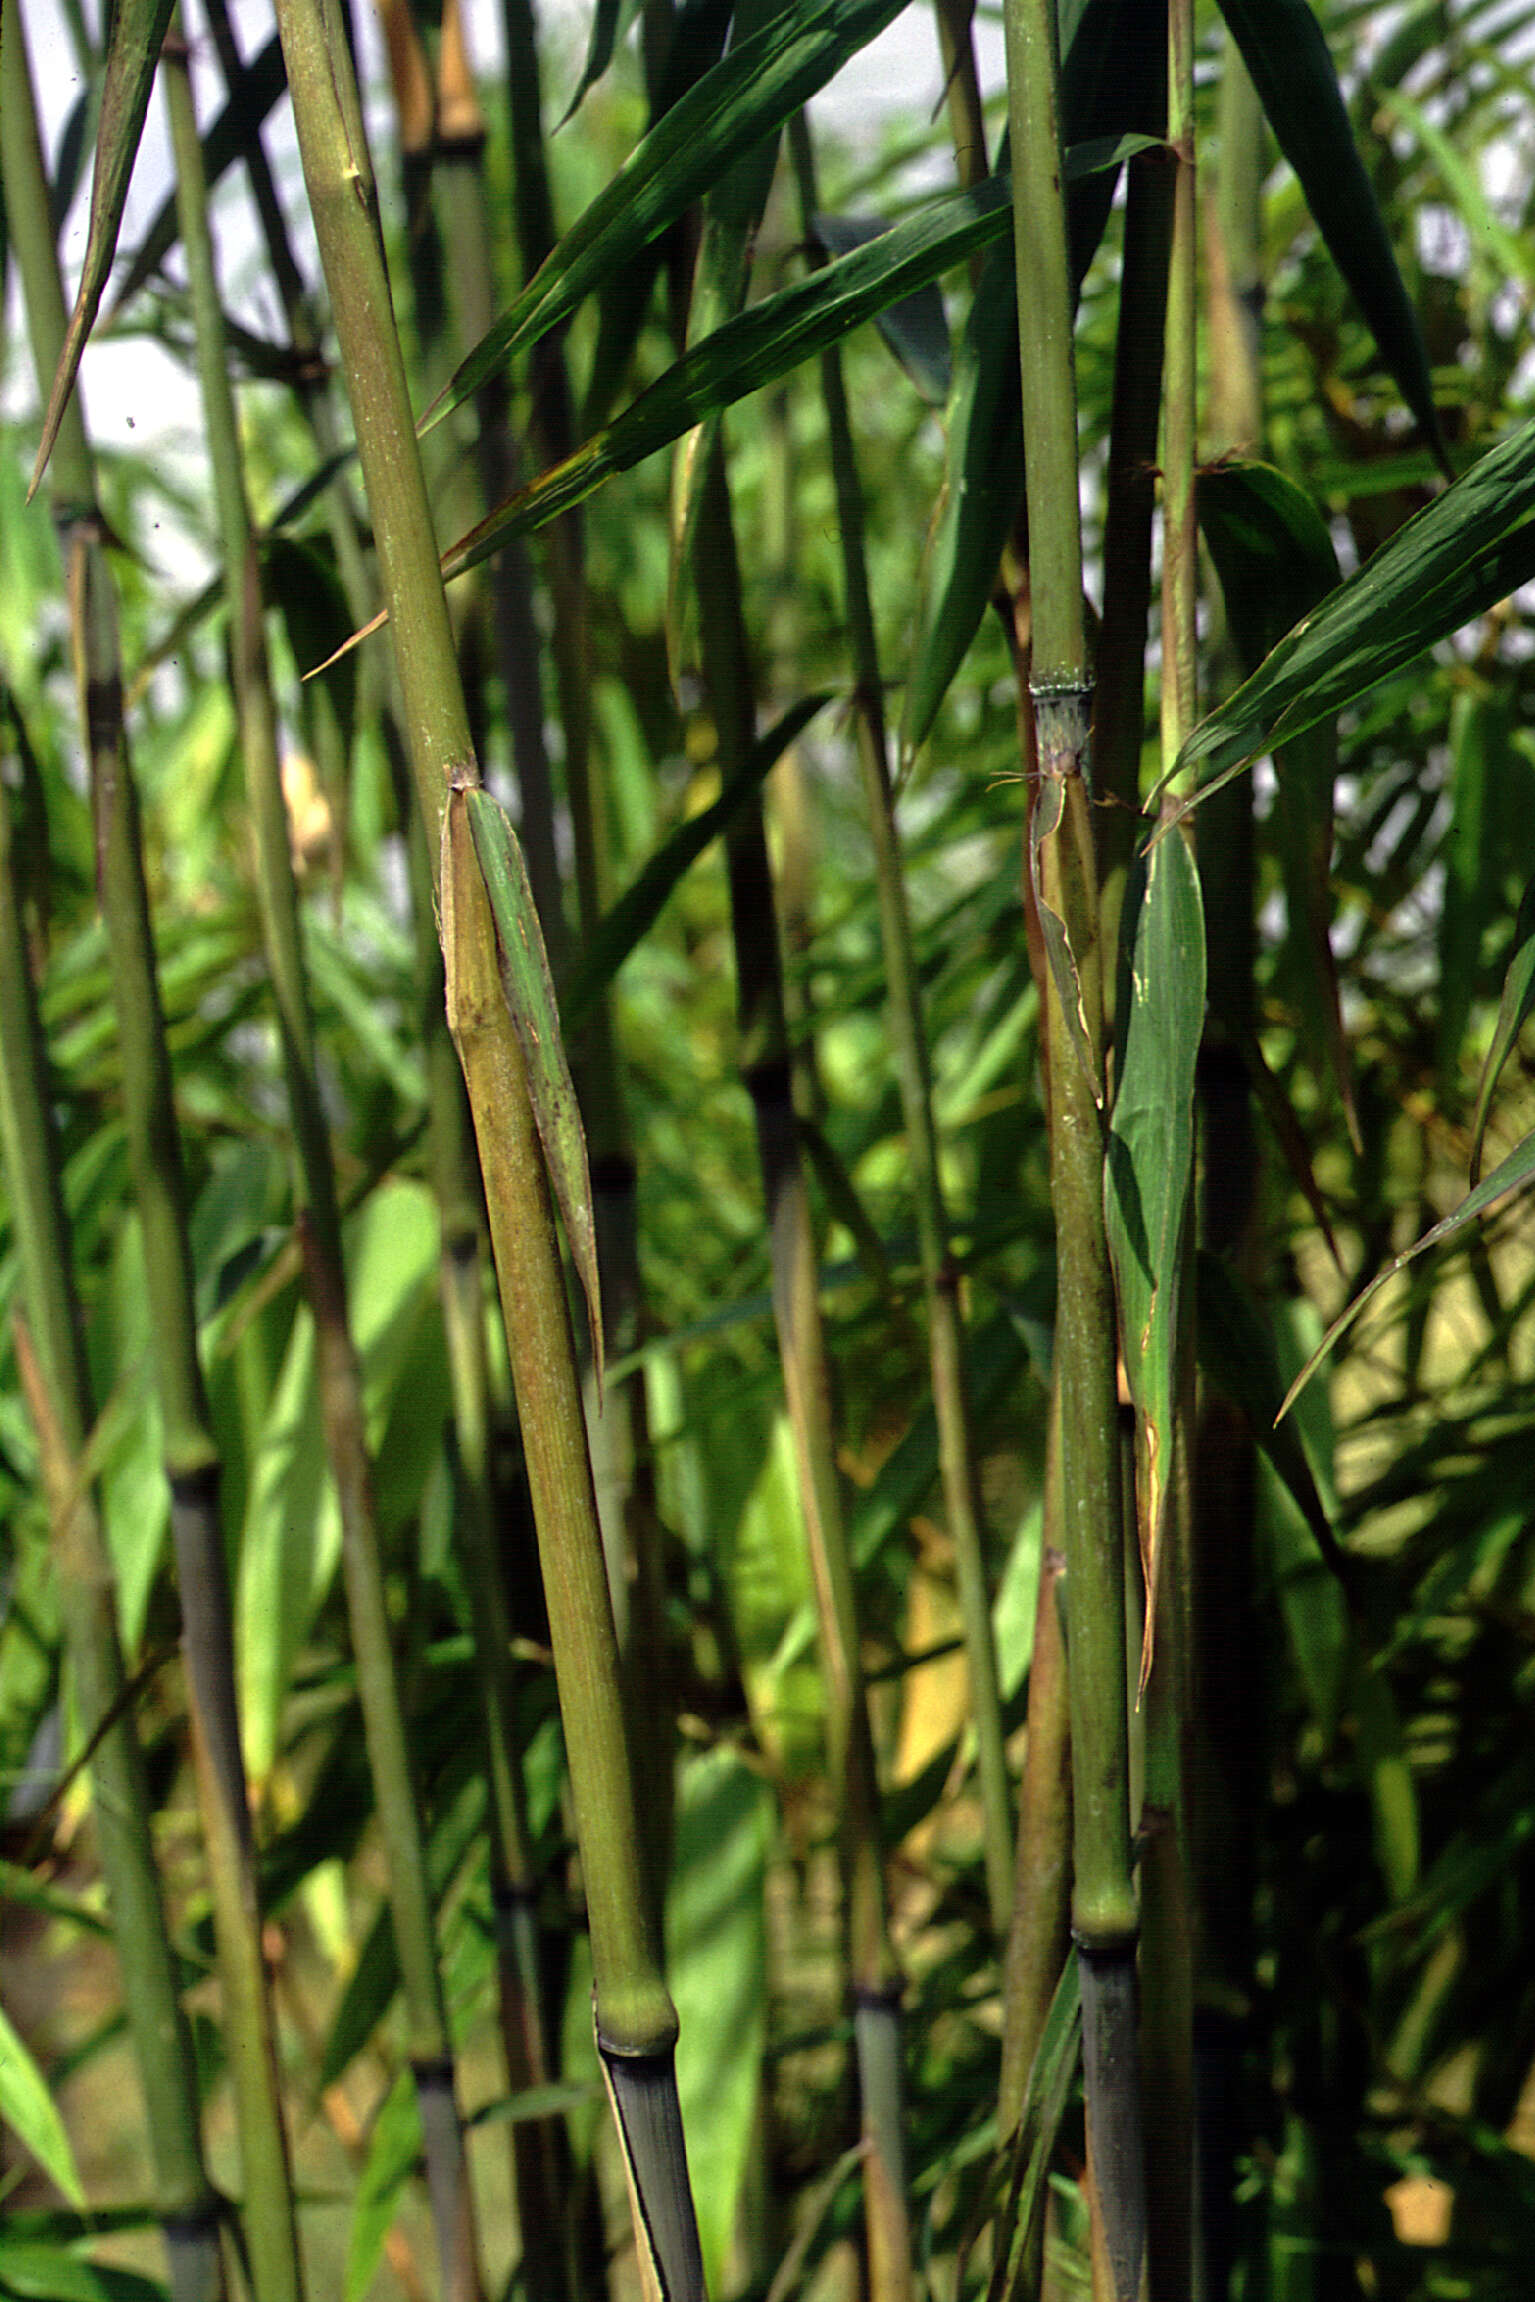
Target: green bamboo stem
[
  {"x": 1104, "y": 1919},
  {"x": 534, "y": 2143},
  {"x": 765, "y": 1069},
  {"x": 319, "y": 1232},
  {"x": 1130, "y": 500},
  {"x": 1166, "y": 1899},
  {"x": 636, "y": 2022},
  {"x": 959, "y": 1468},
  {"x": 58, "y": 1389},
  {"x": 962, "y": 88},
  {"x": 619, "y": 1420},
  {"x": 154, "y": 1150}
]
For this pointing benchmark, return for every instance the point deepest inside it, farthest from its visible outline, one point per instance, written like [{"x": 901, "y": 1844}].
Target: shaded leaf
[
  {"x": 1150, "y": 1164},
  {"x": 1284, "y": 50},
  {"x": 1462, "y": 553},
  {"x": 917, "y": 328},
  {"x": 529, "y": 988},
  {"x": 1513, "y": 1010},
  {"x": 1275, "y": 559},
  {"x": 138, "y": 28},
  {"x": 1237, "y": 1354},
  {"x": 1481, "y": 720},
  {"x": 1027, "y": 2154}
]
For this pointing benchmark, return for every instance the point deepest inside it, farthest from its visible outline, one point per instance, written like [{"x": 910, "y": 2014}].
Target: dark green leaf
[
  {"x": 747, "y": 96},
  {"x": 1283, "y": 49},
  {"x": 611, "y": 19},
  {"x": 917, "y": 328}
]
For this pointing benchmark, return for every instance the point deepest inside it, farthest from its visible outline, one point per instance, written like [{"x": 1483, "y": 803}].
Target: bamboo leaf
[
  {"x": 138, "y": 28},
  {"x": 529, "y": 989},
  {"x": 628, "y": 920},
  {"x": 1150, "y": 1168},
  {"x": 611, "y": 20},
  {"x": 1284, "y": 50},
  {"x": 29, "y": 2110},
  {"x": 1460, "y": 555},
  {"x": 1481, "y": 721},
  {"x": 749, "y": 351},
  {"x": 747, "y": 96},
  {"x": 1236, "y": 1352},
  {"x": 917, "y": 328},
  {"x": 252, "y": 97},
  {"x": 1513, "y": 1010},
  {"x": 1511, "y": 1175},
  {"x": 1028, "y": 2153}
]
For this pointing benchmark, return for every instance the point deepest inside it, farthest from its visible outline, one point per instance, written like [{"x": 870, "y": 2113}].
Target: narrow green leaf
[
  {"x": 1284, "y": 50},
  {"x": 1150, "y": 1169},
  {"x": 640, "y": 906},
  {"x": 1029, "y": 2151},
  {"x": 1460, "y": 555},
  {"x": 749, "y": 351},
  {"x": 1513, "y": 1010},
  {"x": 252, "y": 97},
  {"x": 28, "y": 2109},
  {"x": 917, "y": 328},
  {"x": 393, "y": 2149},
  {"x": 138, "y": 28},
  {"x": 611, "y": 20},
  {"x": 1511, "y": 1175},
  {"x": 747, "y": 96},
  {"x": 529, "y": 989},
  {"x": 33, "y": 2271}
]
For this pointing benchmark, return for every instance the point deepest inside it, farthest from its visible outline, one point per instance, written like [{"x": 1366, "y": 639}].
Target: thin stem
[
  {"x": 636, "y": 2022},
  {"x": 319, "y": 1230},
  {"x": 959, "y": 1468},
  {"x": 154, "y": 1150},
  {"x": 1065, "y": 877}
]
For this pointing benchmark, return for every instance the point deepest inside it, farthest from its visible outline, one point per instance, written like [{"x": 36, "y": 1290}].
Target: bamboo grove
[{"x": 768, "y": 1359}]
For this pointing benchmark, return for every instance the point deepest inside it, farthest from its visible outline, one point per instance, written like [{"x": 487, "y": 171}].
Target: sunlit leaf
[
  {"x": 1150, "y": 1169},
  {"x": 1461, "y": 554},
  {"x": 29, "y": 2110}
]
